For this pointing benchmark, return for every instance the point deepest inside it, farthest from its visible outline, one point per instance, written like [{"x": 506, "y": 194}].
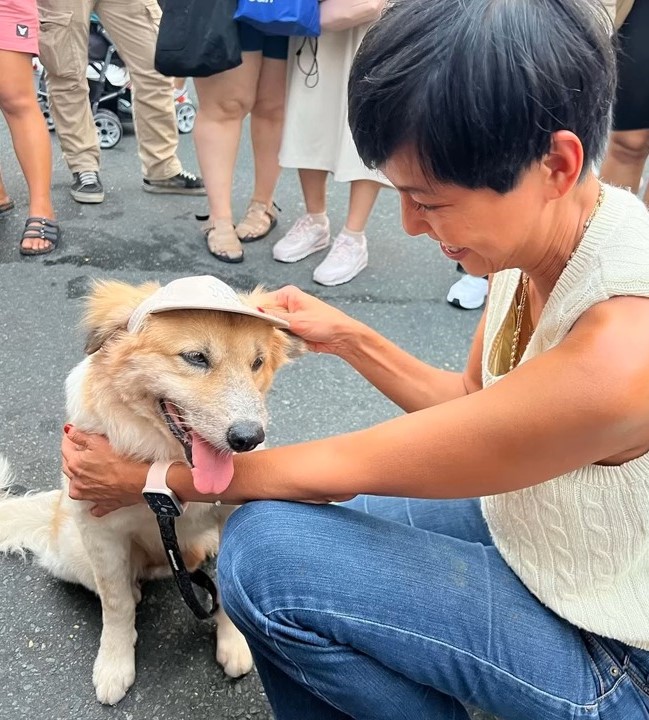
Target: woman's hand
[
  {"x": 98, "y": 474},
  {"x": 324, "y": 328}
]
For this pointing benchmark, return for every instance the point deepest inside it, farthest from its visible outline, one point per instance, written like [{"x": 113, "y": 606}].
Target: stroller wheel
[
  {"x": 45, "y": 109},
  {"x": 109, "y": 129},
  {"x": 44, "y": 102},
  {"x": 185, "y": 117}
]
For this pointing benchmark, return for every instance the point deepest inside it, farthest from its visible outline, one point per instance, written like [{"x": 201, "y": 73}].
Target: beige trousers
[{"x": 63, "y": 43}]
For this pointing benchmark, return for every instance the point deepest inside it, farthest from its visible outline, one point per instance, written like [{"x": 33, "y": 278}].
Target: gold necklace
[{"x": 525, "y": 281}]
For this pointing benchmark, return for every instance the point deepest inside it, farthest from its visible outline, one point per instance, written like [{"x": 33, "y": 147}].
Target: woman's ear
[
  {"x": 109, "y": 307},
  {"x": 563, "y": 164}
]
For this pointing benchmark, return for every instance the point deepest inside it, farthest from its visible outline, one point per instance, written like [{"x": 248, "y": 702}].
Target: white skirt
[{"x": 316, "y": 132}]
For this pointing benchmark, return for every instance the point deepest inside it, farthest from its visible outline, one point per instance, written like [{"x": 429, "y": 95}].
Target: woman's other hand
[
  {"x": 98, "y": 474},
  {"x": 324, "y": 328}
]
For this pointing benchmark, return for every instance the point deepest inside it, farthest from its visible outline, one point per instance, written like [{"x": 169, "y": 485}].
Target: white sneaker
[
  {"x": 302, "y": 240},
  {"x": 469, "y": 292},
  {"x": 347, "y": 257}
]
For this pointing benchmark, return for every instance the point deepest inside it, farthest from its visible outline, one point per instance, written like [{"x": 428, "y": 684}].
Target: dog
[{"x": 214, "y": 369}]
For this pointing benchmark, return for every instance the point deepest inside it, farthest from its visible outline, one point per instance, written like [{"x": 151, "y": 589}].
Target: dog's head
[{"x": 199, "y": 374}]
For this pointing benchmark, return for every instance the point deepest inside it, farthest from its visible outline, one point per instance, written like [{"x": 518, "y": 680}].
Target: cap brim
[{"x": 243, "y": 310}]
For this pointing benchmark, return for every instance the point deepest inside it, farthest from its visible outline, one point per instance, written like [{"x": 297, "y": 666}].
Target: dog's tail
[{"x": 25, "y": 521}]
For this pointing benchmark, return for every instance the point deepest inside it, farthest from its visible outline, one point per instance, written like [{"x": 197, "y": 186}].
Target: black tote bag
[{"x": 197, "y": 38}]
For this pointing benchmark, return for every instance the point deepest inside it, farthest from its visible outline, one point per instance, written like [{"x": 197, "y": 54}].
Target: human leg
[
  {"x": 625, "y": 158},
  {"x": 629, "y": 142},
  {"x": 133, "y": 27},
  {"x": 266, "y": 122},
  {"x": 379, "y": 618},
  {"x": 314, "y": 190},
  {"x": 224, "y": 101},
  {"x": 6, "y": 203},
  {"x": 362, "y": 196},
  {"x": 64, "y": 53},
  {"x": 310, "y": 232},
  {"x": 348, "y": 254},
  {"x": 31, "y": 143}
]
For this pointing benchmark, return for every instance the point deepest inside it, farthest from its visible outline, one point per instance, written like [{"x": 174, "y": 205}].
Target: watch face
[{"x": 163, "y": 504}]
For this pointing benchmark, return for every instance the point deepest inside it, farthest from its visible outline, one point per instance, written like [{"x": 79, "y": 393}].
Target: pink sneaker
[
  {"x": 303, "y": 239},
  {"x": 347, "y": 257}
]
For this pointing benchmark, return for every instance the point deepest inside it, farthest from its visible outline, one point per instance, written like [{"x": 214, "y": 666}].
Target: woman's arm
[
  {"x": 584, "y": 401},
  {"x": 409, "y": 382}
]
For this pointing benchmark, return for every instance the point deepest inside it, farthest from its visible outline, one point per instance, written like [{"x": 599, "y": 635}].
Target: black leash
[
  {"x": 184, "y": 579},
  {"x": 167, "y": 524}
]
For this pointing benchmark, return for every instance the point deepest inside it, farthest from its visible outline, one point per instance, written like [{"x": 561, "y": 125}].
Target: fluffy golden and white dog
[{"x": 213, "y": 369}]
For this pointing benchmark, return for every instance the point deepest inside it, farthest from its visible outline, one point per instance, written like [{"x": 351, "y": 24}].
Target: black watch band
[{"x": 184, "y": 579}]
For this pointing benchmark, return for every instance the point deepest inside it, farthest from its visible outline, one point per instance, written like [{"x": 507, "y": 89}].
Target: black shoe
[
  {"x": 185, "y": 183},
  {"x": 87, "y": 187}
]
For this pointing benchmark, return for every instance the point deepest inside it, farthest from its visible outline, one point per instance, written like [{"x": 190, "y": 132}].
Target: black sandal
[
  {"x": 7, "y": 207},
  {"x": 49, "y": 230}
]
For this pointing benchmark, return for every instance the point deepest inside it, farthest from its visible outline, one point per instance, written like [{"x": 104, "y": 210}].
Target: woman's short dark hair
[{"x": 477, "y": 87}]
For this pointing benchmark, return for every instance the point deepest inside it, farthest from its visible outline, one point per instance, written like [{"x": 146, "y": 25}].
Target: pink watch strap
[{"x": 156, "y": 478}]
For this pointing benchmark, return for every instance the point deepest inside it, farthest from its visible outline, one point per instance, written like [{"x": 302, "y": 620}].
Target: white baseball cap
[{"x": 201, "y": 292}]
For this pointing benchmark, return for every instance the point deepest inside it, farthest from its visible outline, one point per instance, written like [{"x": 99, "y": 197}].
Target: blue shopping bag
[{"x": 281, "y": 17}]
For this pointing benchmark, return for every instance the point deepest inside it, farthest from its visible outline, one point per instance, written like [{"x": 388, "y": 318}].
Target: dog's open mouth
[{"x": 212, "y": 469}]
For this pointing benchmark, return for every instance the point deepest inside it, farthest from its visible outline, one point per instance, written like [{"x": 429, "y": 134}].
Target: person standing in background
[
  {"x": 469, "y": 292},
  {"x": 628, "y": 146},
  {"x": 255, "y": 87},
  {"x": 317, "y": 142},
  {"x": 133, "y": 27},
  {"x": 29, "y": 134}
]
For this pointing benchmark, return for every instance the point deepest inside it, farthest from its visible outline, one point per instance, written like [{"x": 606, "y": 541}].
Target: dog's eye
[
  {"x": 195, "y": 358},
  {"x": 258, "y": 362}
]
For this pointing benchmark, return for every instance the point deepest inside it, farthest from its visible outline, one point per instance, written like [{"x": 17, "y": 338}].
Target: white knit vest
[{"x": 580, "y": 542}]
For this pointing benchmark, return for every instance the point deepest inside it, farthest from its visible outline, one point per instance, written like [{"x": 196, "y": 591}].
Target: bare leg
[
  {"x": 362, "y": 196},
  {"x": 4, "y": 195},
  {"x": 266, "y": 122},
  {"x": 314, "y": 189},
  {"x": 625, "y": 159},
  {"x": 29, "y": 134},
  {"x": 224, "y": 101}
]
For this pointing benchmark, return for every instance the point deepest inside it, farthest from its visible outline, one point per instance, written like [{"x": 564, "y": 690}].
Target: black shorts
[
  {"x": 270, "y": 46},
  {"x": 631, "y": 110}
]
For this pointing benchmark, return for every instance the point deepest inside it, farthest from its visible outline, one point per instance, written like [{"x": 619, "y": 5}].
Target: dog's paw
[
  {"x": 232, "y": 651},
  {"x": 113, "y": 675}
]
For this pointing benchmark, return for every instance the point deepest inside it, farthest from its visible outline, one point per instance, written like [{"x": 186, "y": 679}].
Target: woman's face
[{"x": 483, "y": 230}]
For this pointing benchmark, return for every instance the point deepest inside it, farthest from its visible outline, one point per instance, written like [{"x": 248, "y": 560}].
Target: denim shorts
[{"x": 270, "y": 46}]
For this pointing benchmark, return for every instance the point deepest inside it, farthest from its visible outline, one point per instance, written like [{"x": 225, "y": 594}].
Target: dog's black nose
[{"x": 246, "y": 435}]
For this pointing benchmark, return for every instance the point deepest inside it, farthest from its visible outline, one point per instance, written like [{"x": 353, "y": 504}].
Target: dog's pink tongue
[{"x": 213, "y": 470}]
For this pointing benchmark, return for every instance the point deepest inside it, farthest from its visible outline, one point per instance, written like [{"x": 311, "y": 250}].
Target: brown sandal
[
  {"x": 222, "y": 241},
  {"x": 258, "y": 221}
]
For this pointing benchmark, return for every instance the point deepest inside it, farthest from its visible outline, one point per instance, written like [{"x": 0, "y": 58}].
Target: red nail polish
[{"x": 66, "y": 428}]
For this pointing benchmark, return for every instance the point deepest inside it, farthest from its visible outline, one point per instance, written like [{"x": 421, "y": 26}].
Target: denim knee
[{"x": 256, "y": 553}]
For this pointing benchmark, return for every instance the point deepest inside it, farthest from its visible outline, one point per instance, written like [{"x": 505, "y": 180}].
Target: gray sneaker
[
  {"x": 87, "y": 187},
  {"x": 185, "y": 183}
]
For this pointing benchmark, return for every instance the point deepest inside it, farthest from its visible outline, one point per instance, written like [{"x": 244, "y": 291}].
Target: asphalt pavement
[{"x": 49, "y": 630}]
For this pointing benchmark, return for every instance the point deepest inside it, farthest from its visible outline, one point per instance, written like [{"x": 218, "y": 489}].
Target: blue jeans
[{"x": 386, "y": 608}]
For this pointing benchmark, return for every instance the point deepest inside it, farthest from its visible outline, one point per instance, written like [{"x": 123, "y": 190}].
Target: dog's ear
[
  {"x": 292, "y": 345},
  {"x": 109, "y": 307}
]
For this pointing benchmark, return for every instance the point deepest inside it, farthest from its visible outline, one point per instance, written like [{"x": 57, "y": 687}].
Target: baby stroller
[{"x": 110, "y": 91}]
